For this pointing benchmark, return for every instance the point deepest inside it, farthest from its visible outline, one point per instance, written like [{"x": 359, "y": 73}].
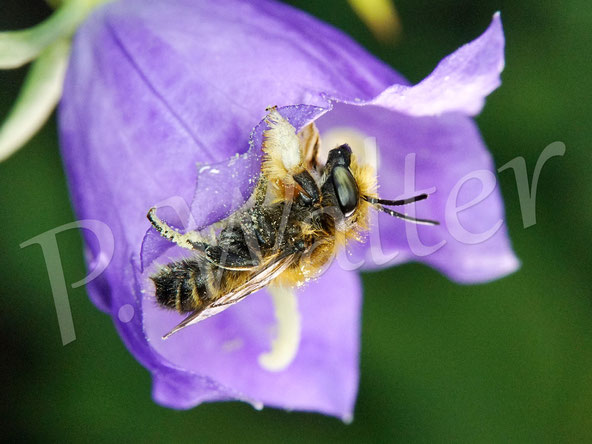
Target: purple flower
[{"x": 166, "y": 99}]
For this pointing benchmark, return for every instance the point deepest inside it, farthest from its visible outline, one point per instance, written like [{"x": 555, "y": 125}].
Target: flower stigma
[{"x": 284, "y": 346}]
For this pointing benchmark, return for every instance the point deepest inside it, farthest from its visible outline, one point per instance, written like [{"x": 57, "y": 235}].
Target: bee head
[
  {"x": 355, "y": 189},
  {"x": 344, "y": 184}
]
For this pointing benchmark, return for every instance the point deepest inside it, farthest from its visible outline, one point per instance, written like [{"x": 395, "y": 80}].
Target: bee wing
[{"x": 259, "y": 280}]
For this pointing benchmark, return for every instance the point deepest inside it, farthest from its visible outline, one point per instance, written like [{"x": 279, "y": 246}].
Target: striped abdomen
[{"x": 184, "y": 285}]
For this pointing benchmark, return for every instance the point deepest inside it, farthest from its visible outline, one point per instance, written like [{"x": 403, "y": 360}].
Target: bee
[{"x": 301, "y": 213}]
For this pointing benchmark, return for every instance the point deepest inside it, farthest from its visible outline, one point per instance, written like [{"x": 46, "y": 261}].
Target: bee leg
[
  {"x": 311, "y": 190},
  {"x": 260, "y": 192},
  {"x": 230, "y": 259},
  {"x": 187, "y": 240}
]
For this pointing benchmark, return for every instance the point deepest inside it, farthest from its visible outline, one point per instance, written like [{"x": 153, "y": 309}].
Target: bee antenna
[
  {"x": 377, "y": 203},
  {"x": 374, "y": 200},
  {"x": 405, "y": 217}
]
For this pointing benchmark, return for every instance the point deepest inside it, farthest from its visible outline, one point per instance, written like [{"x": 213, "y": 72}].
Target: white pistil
[{"x": 285, "y": 345}]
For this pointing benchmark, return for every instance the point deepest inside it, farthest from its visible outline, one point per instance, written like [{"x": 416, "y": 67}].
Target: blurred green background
[{"x": 505, "y": 361}]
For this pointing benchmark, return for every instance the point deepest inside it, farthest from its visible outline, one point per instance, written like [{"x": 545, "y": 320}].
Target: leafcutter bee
[{"x": 301, "y": 213}]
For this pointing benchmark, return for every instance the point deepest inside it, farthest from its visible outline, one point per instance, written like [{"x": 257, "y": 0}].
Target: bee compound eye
[
  {"x": 346, "y": 189},
  {"x": 340, "y": 156}
]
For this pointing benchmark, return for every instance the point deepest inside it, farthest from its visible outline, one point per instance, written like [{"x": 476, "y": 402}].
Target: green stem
[
  {"x": 20, "y": 47},
  {"x": 37, "y": 99}
]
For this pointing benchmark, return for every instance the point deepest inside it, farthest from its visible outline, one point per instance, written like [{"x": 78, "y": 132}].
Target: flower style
[{"x": 164, "y": 101}]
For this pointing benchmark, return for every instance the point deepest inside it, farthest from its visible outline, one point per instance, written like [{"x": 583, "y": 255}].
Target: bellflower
[{"x": 163, "y": 103}]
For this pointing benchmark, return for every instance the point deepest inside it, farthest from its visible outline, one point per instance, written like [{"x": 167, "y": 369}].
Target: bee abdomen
[{"x": 182, "y": 286}]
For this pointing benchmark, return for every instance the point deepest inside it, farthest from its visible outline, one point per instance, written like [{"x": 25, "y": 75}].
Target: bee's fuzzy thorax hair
[{"x": 365, "y": 177}]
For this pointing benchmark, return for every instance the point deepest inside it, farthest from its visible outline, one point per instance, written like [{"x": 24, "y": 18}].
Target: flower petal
[
  {"x": 218, "y": 87},
  {"x": 460, "y": 82},
  {"x": 153, "y": 94},
  {"x": 322, "y": 377},
  {"x": 445, "y": 157},
  {"x": 156, "y": 98}
]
